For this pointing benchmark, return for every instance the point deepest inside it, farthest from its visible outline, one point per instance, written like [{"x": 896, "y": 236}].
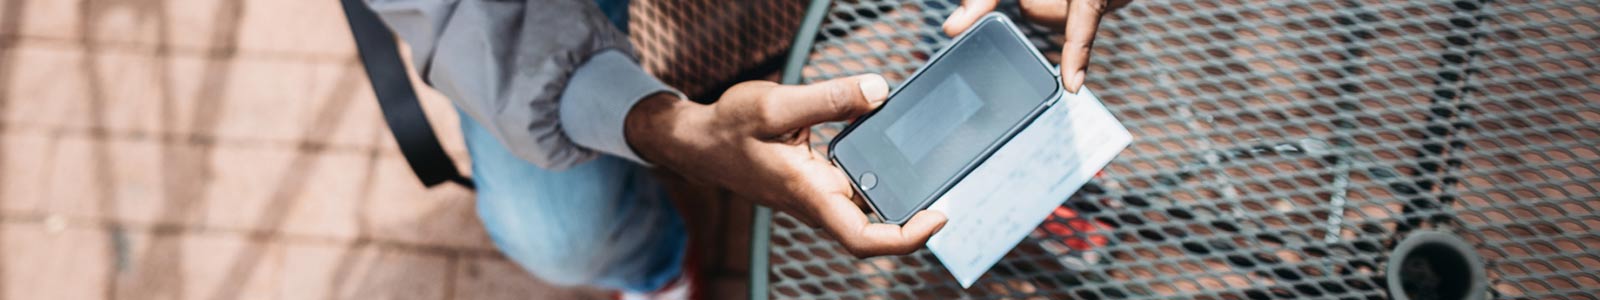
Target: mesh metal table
[{"x": 1283, "y": 149}]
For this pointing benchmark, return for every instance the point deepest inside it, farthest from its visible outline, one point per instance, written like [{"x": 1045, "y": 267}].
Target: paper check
[{"x": 1001, "y": 201}]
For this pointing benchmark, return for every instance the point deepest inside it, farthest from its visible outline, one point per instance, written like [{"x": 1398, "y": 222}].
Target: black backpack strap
[{"x": 401, "y": 109}]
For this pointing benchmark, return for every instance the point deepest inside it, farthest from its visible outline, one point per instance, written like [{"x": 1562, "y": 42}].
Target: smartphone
[{"x": 971, "y": 97}]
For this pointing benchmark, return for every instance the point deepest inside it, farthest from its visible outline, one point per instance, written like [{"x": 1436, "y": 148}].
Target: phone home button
[{"x": 869, "y": 181}]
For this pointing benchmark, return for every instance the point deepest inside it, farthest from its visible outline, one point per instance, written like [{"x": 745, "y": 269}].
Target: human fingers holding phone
[
  {"x": 753, "y": 141},
  {"x": 1079, "y": 18}
]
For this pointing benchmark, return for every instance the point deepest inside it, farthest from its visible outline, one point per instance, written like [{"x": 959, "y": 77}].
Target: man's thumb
[{"x": 842, "y": 99}]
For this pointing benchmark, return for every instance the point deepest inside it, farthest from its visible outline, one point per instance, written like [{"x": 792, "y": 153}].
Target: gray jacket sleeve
[{"x": 551, "y": 79}]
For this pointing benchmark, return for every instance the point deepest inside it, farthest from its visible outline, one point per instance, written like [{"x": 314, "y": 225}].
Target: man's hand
[
  {"x": 753, "y": 141},
  {"x": 1081, "y": 18}
]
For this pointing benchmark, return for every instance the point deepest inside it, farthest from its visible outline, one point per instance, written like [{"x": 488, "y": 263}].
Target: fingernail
[
  {"x": 875, "y": 88},
  {"x": 1076, "y": 82}
]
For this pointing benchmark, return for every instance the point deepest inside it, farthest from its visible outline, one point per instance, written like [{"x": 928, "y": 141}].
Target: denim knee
[
  {"x": 604, "y": 223},
  {"x": 591, "y": 234},
  {"x": 557, "y": 251}
]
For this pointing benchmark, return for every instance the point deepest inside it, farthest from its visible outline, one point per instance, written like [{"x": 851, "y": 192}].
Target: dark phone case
[{"x": 983, "y": 156}]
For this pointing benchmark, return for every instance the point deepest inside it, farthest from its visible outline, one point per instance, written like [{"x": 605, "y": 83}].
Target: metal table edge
[{"x": 761, "y": 227}]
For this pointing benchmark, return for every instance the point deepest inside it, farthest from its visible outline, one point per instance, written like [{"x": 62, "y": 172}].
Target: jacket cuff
[{"x": 597, "y": 99}]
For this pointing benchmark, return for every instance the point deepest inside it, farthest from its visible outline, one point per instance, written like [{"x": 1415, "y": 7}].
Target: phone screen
[{"x": 945, "y": 118}]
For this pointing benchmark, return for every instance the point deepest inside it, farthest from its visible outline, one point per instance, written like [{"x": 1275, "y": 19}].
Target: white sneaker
[{"x": 677, "y": 290}]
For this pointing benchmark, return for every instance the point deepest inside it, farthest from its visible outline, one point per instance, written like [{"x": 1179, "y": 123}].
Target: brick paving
[{"x": 222, "y": 149}]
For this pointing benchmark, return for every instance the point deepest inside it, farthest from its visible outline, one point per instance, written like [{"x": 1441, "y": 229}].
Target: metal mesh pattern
[
  {"x": 695, "y": 45},
  {"x": 1282, "y": 148}
]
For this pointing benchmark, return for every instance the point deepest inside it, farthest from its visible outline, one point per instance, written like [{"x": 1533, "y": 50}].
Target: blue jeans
[{"x": 604, "y": 223}]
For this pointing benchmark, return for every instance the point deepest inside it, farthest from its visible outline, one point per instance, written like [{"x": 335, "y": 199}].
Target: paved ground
[{"x": 219, "y": 149}]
